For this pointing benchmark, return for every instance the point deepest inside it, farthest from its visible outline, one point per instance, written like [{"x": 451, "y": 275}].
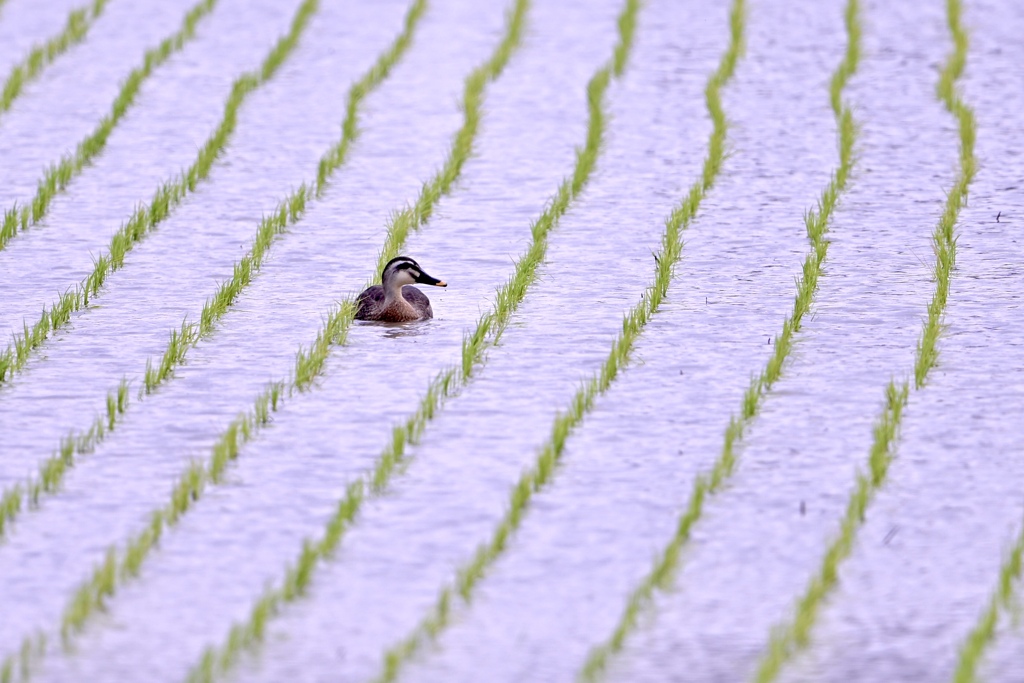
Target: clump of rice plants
[
  {"x": 786, "y": 640},
  {"x": 817, "y": 223},
  {"x": 60, "y": 174},
  {"x": 75, "y": 30}
]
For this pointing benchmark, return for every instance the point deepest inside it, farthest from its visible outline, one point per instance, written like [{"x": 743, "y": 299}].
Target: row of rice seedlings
[
  {"x": 981, "y": 636},
  {"x": 120, "y": 566},
  {"x": 60, "y": 174},
  {"x": 167, "y": 197},
  {"x": 817, "y": 222},
  {"x": 447, "y": 384},
  {"x": 788, "y": 639},
  {"x": 289, "y": 211},
  {"x": 40, "y": 57}
]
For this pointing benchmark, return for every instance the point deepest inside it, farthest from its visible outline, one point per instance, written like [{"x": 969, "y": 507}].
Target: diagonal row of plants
[
  {"x": 39, "y": 57},
  {"x": 60, "y": 174},
  {"x": 145, "y": 219},
  {"x": 979, "y": 639},
  {"x": 447, "y": 384},
  {"x": 791, "y": 637},
  {"x": 661, "y": 575},
  {"x": 120, "y": 567}
]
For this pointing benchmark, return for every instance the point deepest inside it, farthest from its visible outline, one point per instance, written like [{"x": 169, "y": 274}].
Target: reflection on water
[{"x": 398, "y": 330}]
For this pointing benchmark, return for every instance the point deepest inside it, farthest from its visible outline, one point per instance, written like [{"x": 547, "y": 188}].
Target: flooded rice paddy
[{"x": 624, "y": 449}]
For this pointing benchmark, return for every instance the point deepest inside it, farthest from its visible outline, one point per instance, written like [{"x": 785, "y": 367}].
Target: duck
[{"x": 394, "y": 301}]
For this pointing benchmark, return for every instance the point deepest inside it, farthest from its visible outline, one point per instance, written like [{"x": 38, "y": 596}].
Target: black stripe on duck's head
[{"x": 403, "y": 270}]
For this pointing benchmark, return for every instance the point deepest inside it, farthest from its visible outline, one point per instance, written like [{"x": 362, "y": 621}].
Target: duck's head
[{"x": 402, "y": 270}]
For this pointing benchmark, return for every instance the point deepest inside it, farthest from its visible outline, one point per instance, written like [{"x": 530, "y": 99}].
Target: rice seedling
[
  {"x": 944, "y": 237},
  {"x": 288, "y": 212},
  {"x": 60, "y": 174},
  {"x": 794, "y": 636},
  {"x": 75, "y": 30},
  {"x": 119, "y": 567},
  {"x": 817, "y": 223}
]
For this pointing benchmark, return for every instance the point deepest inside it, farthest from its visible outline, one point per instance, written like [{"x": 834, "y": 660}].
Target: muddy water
[{"x": 929, "y": 554}]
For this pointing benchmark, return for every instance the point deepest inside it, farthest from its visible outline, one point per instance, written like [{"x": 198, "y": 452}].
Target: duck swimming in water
[{"x": 394, "y": 302}]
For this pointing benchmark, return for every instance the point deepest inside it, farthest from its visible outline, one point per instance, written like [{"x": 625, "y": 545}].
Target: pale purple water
[{"x": 928, "y": 556}]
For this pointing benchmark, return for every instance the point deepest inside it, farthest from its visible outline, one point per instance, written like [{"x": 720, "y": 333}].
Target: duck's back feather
[{"x": 370, "y": 306}]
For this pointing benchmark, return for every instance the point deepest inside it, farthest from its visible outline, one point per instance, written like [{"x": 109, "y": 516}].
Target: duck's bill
[{"x": 428, "y": 280}]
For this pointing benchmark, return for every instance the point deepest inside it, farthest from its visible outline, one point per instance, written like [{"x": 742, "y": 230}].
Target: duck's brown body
[
  {"x": 410, "y": 306},
  {"x": 393, "y": 301}
]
